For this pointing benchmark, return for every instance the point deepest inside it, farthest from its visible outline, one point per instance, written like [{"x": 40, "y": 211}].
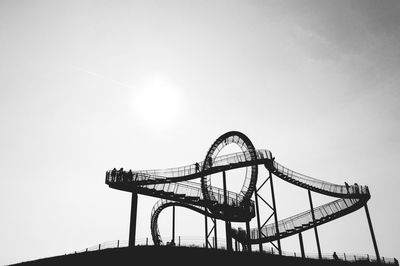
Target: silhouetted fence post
[
  {"x": 118, "y": 244},
  {"x": 99, "y": 246},
  {"x": 147, "y": 241},
  {"x": 179, "y": 240},
  {"x": 344, "y": 255}
]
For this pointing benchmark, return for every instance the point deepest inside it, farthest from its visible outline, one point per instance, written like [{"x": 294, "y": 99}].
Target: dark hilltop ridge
[{"x": 167, "y": 255}]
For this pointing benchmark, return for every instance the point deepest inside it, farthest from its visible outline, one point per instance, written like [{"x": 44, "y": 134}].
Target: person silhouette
[
  {"x": 270, "y": 163},
  {"x": 347, "y": 187},
  {"x": 120, "y": 174},
  {"x": 209, "y": 161},
  {"x": 335, "y": 256},
  {"x": 197, "y": 166},
  {"x": 356, "y": 186},
  {"x": 129, "y": 176},
  {"x": 113, "y": 172}
]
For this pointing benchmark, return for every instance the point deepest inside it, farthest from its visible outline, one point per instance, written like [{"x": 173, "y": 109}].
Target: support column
[
  {"x": 378, "y": 258},
  {"x": 173, "y": 226},
  {"x": 132, "y": 229},
  {"x": 248, "y": 235},
  {"x": 258, "y": 219},
  {"x": 275, "y": 213},
  {"x": 315, "y": 226},
  {"x": 215, "y": 234},
  {"x": 301, "y": 245},
  {"x": 206, "y": 226},
  {"x": 227, "y": 223}
]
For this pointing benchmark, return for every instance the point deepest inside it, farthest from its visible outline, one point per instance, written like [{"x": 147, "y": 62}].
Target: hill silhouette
[{"x": 169, "y": 255}]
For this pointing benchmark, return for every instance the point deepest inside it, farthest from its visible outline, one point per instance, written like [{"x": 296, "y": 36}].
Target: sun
[{"x": 158, "y": 102}]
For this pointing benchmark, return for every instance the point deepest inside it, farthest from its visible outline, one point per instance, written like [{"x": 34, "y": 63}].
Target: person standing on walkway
[{"x": 347, "y": 187}]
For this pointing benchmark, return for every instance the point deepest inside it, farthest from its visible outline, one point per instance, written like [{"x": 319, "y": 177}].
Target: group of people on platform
[
  {"x": 356, "y": 188},
  {"x": 122, "y": 176}
]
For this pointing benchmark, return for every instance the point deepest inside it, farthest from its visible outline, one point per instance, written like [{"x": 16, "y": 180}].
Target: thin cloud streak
[{"x": 97, "y": 75}]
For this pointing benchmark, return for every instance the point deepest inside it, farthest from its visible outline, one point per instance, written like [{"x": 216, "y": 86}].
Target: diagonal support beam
[
  {"x": 315, "y": 226},
  {"x": 378, "y": 258}
]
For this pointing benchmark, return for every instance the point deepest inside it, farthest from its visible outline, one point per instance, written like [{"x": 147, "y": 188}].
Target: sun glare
[{"x": 158, "y": 102}]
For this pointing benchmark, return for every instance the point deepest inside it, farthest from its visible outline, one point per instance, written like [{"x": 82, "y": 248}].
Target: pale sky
[{"x": 86, "y": 86}]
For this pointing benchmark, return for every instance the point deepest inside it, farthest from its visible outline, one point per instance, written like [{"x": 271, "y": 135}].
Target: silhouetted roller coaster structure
[{"x": 176, "y": 187}]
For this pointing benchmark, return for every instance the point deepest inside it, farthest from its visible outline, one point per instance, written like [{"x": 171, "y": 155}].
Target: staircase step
[
  {"x": 164, "y": 193},
  {"x": 192, "y": 198}
]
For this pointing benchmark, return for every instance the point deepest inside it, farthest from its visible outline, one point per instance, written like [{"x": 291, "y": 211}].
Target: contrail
[{"x": 100, "y": 76}]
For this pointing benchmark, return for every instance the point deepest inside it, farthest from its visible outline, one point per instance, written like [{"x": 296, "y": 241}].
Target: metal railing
[
  {"x": 162, "y": 174},
  {"x": 320, "y": 184},
  {"x": 188, "y": 188},
  {"x": 302, "y": 219},
  {"x": 193, "y": 189}
]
